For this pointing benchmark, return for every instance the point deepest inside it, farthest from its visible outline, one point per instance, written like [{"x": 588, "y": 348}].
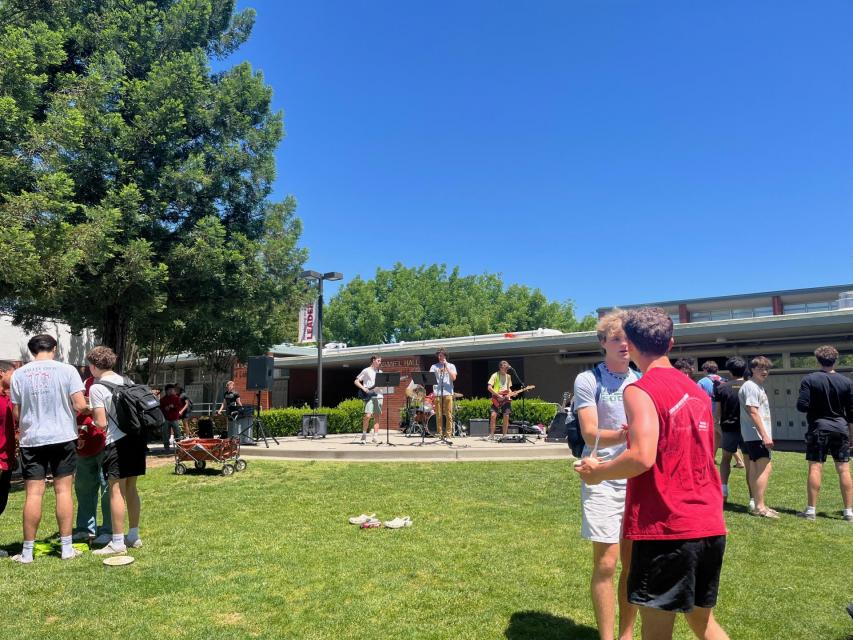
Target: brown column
[
  {"x": 778, "y": 308},
  {"x": 683, "y": 313}
]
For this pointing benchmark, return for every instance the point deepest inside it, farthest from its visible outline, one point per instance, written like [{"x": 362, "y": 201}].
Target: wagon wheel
[
  {"x": 180, "y": 469},
  {"x": 227, "y": 469},
  {"x": 200, "y": 464},
  {"x": 240, "y": 465}
]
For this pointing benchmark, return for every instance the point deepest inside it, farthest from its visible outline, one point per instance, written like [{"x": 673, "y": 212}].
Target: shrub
[{"x": 534, "y": 411}]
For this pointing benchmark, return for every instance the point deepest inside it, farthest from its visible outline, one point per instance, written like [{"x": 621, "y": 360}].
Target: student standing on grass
[
  {"x": 673, "y": 506},
  {"x": 826, "y": 397},
  {"x": 7, "y": 439},
  {"x": 124, "y": 453},
  {"x": 709, "y": 383},
  {"x": 757, "y": 432},
  {"x": 46, "y": 395},
  {"x": 728, "y": 410},
  {"x": 601, "y": 414},
  {"x": 171, "y": 405}
]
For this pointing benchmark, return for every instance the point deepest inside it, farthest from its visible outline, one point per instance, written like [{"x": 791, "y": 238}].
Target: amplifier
[{"x": 479, "y": 427}]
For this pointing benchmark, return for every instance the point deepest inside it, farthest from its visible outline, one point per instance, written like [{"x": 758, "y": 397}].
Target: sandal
[{"x": 765, "y": 513}]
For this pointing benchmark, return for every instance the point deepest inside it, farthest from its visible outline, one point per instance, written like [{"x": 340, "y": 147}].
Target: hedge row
[{"x": 346, "y": 417}]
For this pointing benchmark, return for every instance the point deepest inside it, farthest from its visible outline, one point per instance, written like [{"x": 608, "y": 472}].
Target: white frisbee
[{"x": 117, "y": 561}]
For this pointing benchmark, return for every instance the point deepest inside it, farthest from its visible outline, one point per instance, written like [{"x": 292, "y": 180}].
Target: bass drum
[{"x": 431, "y": 426}]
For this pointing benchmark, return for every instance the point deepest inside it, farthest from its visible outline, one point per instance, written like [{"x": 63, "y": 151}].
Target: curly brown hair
[
  {"x": 826, "y": 355},
  {"x": 650, "y": 330},
  {"x": 102, "y": 357}
]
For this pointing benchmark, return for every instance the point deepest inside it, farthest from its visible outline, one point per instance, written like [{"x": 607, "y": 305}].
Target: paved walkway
[{"x": 347, "y": 447}]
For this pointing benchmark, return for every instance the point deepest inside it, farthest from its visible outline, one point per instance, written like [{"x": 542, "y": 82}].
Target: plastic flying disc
[{"x": 117, "y": 561}]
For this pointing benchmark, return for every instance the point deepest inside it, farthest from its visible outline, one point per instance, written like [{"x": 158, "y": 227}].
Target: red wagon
[{"x": 200, "y": 451}]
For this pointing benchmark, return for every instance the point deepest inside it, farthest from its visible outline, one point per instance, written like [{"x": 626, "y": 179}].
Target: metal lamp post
[{"x": 320, "y": 277}]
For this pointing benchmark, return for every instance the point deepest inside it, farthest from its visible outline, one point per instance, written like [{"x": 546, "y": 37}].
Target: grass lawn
[{"x": 494, "y": 553}]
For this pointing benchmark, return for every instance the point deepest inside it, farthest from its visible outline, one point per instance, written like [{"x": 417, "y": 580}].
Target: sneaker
[
  {"x": 110, "y": 550},
  {"x": 363, "y": 438},
  {"x": 805, "y": 515},
  {"x": 373, "y": 523},
  {"x": 374, "y": 440},
  {"x": 399, "y": 523},
  {"x": 81, "y": 536},
  {"x": 135, "y": 543},
  {"x": 75, "y": 553},
  {"x": 4, "y": 554},
  {"x": 104, "y": 538},
  {"x": 20, "y": 558},
  {"x": 848, "y": 517},
  {"x": 362, "y": 518}
]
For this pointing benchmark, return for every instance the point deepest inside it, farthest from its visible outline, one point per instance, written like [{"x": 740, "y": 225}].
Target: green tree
[
  {"x": 135, "y": 180},
  {"x": 421, "y": 303}
]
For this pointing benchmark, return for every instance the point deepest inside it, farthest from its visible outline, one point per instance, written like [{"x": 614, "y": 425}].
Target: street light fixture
[{"x": 320, "y": 277}]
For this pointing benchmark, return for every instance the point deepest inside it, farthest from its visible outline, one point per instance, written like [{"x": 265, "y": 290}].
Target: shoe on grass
[
  {"x": 81, "y": 536},
  {"x": 111, "y": 550},
  {"x": 362, "y": 518},
  {"x": 4, "y": 554},
  {"x": 805, "y": 515},
  {"x": 373, "y": 523},
  {"x": 104, "y": 538},
  {"x": 848, "y": 518},
  {"x": 20, "y": 559},
  {"x": 75, "y": 553},
  {"x": 399, "y": 523},
  {"x": 766, "y": 512},
  {"x": 132, "y": 543}
]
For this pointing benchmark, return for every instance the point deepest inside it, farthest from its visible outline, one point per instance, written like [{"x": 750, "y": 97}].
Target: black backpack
[
  {"x": 573, "y": 424},
  {"x": 137, "y": 408}
]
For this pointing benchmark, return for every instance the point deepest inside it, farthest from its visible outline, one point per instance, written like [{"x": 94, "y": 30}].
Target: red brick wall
[{"x": 395, "y": 402}]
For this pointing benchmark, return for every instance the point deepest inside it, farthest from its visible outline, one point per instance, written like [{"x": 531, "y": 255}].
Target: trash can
[{"x": 241, "y": 425}]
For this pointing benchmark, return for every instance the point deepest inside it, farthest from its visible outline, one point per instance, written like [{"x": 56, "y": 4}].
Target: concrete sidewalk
[{"x": 348, "y": 447}]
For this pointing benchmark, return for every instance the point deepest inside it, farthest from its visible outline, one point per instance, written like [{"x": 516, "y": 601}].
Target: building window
[
  {"x": 721, "y": 314},
  {"x": 675, "y": 318},
  {"x": 700, "y": 316},
  {"x": 758, "y": 312},
  {"x": 803, "y": 361},
  {"x": 741, "y": 313}
]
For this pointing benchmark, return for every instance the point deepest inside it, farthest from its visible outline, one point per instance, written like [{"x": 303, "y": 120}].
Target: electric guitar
[{"x": 506, "y": 395}]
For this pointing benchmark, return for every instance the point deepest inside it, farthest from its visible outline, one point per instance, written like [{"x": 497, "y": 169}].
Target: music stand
[
  {"x": 391, "y": 381},
  {"x": 425, "y": 378}
]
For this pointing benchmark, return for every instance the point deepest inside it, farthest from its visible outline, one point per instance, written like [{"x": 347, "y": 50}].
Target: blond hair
[{"x": 610, "y": 323}]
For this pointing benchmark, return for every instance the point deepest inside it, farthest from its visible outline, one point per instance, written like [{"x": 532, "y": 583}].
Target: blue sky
[{"x": 605, "y": 152}]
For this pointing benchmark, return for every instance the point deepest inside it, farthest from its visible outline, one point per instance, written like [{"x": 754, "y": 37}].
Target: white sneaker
[
  {"x": 20, "y": 558},
  {"x": 362, "y": 518},
  {"x": 399, "y": 523},
  {"x": 110, "y": 550},
  {"x": 135, "y": 543},
  {"x": 75, "y": 553},
  {"x": 104, "y": 538},
  {"x": 374, "y": 440}
]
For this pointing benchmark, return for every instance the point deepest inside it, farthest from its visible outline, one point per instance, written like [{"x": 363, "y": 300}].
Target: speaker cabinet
[
  {"x": 259, "y": 373},
  {"x": 315, "y": 425},
  {"x": 478, "y": 427}
]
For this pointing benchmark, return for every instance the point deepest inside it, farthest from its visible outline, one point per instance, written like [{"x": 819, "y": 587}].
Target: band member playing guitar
[
  {"x": 366, "y": 381},
  {"x": 500, "y": 386}
]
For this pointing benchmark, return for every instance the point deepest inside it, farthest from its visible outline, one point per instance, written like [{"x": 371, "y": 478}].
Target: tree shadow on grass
[{"x": 539, "y": 625}]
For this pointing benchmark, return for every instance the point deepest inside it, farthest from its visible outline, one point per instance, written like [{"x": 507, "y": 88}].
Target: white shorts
[
  {"x": 602, "y": 506},
  {"x": 373, "y": 407}
]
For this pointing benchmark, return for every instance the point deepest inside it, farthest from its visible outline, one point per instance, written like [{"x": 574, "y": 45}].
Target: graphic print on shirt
[{"x": 688, "y": 415}]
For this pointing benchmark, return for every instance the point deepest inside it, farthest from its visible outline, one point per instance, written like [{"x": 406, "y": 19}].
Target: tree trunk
[{"x": 114, "y": 334}]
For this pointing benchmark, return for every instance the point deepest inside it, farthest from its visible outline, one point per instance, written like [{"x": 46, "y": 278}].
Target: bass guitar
[{"x": 506, "y": 395}]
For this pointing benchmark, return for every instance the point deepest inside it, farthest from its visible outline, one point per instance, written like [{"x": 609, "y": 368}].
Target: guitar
[
  {"x": 369, "y": 395},
  {"x": 507, "y": 396}
]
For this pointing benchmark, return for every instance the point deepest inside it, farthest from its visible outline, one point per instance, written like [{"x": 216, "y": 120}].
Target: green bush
[{"x": 535, "y": 411}]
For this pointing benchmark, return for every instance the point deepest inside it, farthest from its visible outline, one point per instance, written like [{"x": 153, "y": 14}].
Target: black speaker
[
  {"x": 478, "y": 427},
  {"x": 259, "y": 374},
  {"x": 314, "y": 425}
]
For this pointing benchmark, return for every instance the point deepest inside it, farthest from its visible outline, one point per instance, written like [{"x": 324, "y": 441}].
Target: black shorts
[
  {"x": 504, "y": 410},
  {"x": 731, "y": 440},
  {"x": 58, "y": 459},
  {"x": 676, "y": 575},
  {"x": 819, "y": 444},
  {"x": 125, "y": 458},
  {"x": 755, "y": 449}
]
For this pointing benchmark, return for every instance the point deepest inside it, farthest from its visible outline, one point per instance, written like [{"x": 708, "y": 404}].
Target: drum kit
[{"x": 420, "y": 413}]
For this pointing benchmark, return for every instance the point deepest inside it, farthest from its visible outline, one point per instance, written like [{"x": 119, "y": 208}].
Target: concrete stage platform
[{"x": 347, "y": 448}]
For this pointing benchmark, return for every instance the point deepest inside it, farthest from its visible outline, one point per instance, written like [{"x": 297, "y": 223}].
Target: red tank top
[{"x": 680, "y": 496}]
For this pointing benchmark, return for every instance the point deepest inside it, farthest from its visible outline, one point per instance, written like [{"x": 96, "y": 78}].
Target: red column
[
  {"x": 683, "y": 313},
  {"x": 778, "y": 308}
]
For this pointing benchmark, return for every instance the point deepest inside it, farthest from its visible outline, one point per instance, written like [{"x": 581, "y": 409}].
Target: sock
[
  {"x": 118, "y": 540},
  {"x": 810, "y": 510},
  {"x": 133, "y": 533},
  {"x": 752, "y": 503},
  {"x": 67, "y": 549},
  {"x": 27, "y": 552},
  {"x": 725, "y": 490},
  {"x": 848, "y": 512}
]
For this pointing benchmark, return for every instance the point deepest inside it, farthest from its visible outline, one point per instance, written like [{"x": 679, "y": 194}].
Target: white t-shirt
[
  {"x": 42, "y": 389},
  {"x": 752, "y": 394},
  {"x": 442, "y": 375},
  {"x": 368, "y": 379},
  {"x": 101, "y": 396}
]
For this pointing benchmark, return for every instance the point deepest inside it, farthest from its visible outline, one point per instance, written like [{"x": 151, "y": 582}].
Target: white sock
[
  {"x": 67, "y": 549},
  {"x": 810, "y": 510},
  {"x": 133, "y": 533},
  {"x": 118, "y": 540},
  {"x": 752, "y": 503},
  {"x": 27, "y": 552},
  {"x": 848, "y": 512},
  {"x": 725, "y": 490}
]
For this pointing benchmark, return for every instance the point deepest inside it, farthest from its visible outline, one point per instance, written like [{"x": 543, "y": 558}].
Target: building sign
[{"x": 308, "y": 322}]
